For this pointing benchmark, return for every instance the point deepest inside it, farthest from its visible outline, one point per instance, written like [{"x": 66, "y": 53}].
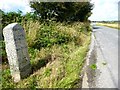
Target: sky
[
  {"x": 104, "y": 10},
  {"x": 15, "y": 5}
]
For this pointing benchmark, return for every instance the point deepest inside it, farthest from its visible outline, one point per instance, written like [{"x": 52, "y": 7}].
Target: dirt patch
[{"x": 91, "y": 68}]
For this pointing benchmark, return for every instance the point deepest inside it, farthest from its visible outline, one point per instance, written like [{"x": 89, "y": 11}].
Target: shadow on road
[{"x": 95, "y": 27}]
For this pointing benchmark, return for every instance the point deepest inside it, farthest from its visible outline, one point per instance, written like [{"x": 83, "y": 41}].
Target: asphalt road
[{"x": 107, "y": 57}]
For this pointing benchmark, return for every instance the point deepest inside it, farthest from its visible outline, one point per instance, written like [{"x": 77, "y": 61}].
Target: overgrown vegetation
[
  {"x": 58, "y": 61},
  {"x": 57, "y": 51}
]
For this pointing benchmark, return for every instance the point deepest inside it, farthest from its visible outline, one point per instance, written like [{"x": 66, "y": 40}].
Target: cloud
[
  {"x": 15, "y": 5},
  {"x": 105, "y": 10}
]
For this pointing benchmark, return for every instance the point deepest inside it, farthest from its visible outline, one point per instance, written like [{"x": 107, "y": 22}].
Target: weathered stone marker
[{"x": 17, "y": 51}]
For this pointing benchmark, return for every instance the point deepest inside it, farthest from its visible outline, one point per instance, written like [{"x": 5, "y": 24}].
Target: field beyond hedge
[
  {"x": 57, "y": 53},
  {"x": 112, "y": 25}
]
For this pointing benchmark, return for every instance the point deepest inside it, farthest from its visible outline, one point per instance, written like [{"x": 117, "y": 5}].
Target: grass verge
[{"x": 59, "y": 61}]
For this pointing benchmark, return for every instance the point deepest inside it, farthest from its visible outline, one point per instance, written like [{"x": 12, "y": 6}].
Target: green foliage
[
  {"x": 30, "y": 16},
  {"x": 49, "y": 35},
  {"x": 32, "y": 83},
  {"x": 6, "y": 79},
  {"x": 3, "y": 52},
  {"x": 56, "y": 57},
  {"x": 62, "y": 11},
  {"x": 2, "y": 47},
  {"x": 93, "y": 66},
  {"x": 47, "y": 72},
  {"x": 10, "y": 17},
  {"x": 56, "y": 50}
]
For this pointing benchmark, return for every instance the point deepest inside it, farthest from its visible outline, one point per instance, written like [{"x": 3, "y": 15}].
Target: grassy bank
[
  {"x": 57, "y": 53},
  {"x": 112, "y": 25}
]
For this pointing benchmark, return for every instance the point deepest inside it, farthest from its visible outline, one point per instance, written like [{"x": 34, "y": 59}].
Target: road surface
[{"x": 106, "y": 74}]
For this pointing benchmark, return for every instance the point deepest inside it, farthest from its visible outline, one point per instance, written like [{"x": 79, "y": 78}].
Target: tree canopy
[
  {"x": 63, "y": 11},
  {"x": 11, "y": 17}
]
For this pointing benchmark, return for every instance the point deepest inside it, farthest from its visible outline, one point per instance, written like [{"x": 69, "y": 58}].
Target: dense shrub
[
  {"x": 62, "y": 11},
  {"x": 49, "y": 35}
]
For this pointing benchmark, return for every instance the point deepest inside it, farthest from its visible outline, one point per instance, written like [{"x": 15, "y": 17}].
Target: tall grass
[{"x": 57, "y": 53}]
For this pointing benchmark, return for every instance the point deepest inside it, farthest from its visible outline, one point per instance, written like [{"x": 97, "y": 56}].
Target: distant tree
[
  {"x": 63, "y": 11},
  {"x": 10, "y": 17},
  {"x": 29, "y": 16}
]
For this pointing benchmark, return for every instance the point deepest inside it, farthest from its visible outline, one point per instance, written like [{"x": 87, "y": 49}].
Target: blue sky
[{"x": 103, "y": 9}]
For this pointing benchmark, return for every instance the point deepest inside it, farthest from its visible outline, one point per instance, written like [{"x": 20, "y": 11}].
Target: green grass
[
  {"x": 93, "y": 66},
  {"x": 58, "y": 63}
]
